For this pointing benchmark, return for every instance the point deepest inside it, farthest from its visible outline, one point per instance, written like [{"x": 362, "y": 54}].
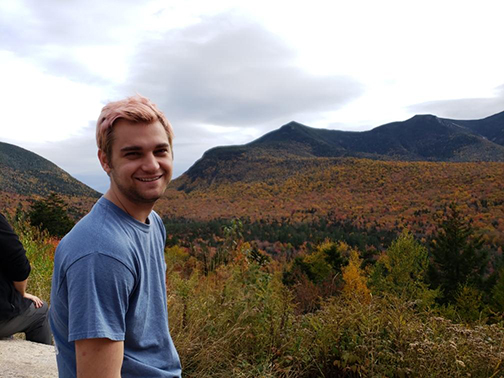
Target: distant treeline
[{"x": 305, "y": 235}]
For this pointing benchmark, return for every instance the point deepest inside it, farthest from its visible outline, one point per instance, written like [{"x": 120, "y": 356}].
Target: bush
[
  {"x": 402, "y": 271},
  {"x": 51, "y": 214},
  {"x": 232, "y": 322}
]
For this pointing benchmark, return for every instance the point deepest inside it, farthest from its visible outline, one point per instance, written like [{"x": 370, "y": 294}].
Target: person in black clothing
[{"x": 19, "y": 311}]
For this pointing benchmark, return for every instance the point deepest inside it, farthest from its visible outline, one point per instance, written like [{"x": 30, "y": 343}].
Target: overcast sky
[{"x": 226, "y": 72}]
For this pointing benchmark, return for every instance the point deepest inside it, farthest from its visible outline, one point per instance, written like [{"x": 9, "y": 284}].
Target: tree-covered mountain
[
  {"x": 420, "y": 138},
  {"x": 397, "y": 175},
  {"x": 25, "y": 176},
  {"x": 491, "y": 127},
  {"x": 26, "y": 173}
]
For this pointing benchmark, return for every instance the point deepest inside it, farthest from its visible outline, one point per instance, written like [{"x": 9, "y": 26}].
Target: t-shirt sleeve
[{"x": 98, "y": 287}]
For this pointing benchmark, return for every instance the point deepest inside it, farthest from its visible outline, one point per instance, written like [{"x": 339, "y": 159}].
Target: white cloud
[
  {"x": 230, "y": 71},
  {"x": 40, "y": 107},
  {"x": 464, "y": 108}
]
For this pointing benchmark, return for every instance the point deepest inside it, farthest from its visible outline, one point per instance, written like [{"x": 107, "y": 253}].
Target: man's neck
[{"x": 138, "y": 211}]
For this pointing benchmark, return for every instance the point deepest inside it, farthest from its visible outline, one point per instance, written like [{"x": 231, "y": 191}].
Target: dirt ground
[{"x": 25, "y": 359}]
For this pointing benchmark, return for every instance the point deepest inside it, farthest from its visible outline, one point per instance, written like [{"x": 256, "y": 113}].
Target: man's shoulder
[
  {"x": 89, "y": 229},
  {"x": 100, "y": 222},
  {"x": 97, "y": 232}
]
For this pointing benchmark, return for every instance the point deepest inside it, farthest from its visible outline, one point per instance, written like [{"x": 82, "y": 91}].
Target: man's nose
[{"x": 150, "y": 163}]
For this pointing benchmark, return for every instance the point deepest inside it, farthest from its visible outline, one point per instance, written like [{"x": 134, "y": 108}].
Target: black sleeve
[{"x": 13, "y": 262}]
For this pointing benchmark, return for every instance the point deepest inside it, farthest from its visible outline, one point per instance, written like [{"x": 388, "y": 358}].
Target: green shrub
[{"x": 402, "y": 271}]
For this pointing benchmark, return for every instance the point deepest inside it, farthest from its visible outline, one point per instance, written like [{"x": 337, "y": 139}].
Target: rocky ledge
[{"x": 25, "y": 359}]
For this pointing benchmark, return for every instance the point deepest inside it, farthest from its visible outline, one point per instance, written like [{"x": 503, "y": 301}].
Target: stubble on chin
[{"x": 136, "y": 196}]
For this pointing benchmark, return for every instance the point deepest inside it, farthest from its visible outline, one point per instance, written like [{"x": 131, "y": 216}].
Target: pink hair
[{"x": 137, "y": 109}]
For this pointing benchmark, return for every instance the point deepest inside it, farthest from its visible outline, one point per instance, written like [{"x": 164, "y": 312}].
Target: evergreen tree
[
  {"x": 51, "y": 214},
  {"x": 457, "y": 255},
  {"x": 324, "y": 264},
  {"x": 402, "y": 271},
  {"x": 336, "y": 254}
]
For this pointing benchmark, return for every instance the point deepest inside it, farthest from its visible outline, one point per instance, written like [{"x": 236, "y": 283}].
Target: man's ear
[{"x": 104, "y": 161}]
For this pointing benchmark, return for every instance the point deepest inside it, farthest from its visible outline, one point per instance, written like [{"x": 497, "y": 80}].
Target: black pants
[{"x": 34, "y": 323}]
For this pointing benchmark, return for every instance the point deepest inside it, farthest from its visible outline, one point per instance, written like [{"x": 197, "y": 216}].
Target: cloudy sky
[{"x": 226, "y": 72}]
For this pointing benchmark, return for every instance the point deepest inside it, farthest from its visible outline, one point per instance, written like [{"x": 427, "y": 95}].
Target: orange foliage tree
[{"x": 355, "y": 279}]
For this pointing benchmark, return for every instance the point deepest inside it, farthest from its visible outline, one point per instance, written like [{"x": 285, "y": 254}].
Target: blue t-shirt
[{"x": 109, "y": 282}]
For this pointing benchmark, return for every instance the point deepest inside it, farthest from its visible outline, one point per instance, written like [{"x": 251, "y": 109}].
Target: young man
[
  {"x": 108, "y": 301},
  {"x": 19, "y": 311}
]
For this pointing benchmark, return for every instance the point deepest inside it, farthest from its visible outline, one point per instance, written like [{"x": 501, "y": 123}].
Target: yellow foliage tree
[{"x": 355, "y": 280}]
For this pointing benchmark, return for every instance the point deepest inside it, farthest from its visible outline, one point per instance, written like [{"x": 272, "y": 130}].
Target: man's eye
[
  {"x": 162, "y": 151},
  {"x": 131, "y": 154}
]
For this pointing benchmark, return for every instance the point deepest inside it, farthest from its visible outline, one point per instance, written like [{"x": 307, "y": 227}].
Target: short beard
[{"x": 133, "y": 195}]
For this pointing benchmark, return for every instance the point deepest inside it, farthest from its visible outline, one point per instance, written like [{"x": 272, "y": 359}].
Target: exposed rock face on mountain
[
  {"x": 420, "y": 138},
  {"x": 25, "y": 173}
]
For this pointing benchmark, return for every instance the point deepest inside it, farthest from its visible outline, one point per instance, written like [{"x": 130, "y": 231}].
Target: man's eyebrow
[
  {"x": 138, "y": 148},
  {"x": 131, "y": 148}
]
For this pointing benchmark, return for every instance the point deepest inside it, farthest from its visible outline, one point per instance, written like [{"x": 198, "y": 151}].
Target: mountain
[
  {"x": 491, "y": 127},
  {"x": 294, "y": 146},
  {"x": 397, "y": 176},
  {"x": 420, "y": 138},
  {"x": 429, "y": 138},
  {"x": 24, "y": 174}
]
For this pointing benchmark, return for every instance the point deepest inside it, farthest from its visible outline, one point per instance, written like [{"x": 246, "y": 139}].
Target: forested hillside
[
  {"x": 25, "y": 176},
  {"x": 368, "y": 194},
  {"x": 300, "y": 175}
]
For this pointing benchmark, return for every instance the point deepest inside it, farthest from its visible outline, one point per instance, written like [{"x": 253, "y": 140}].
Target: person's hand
[{"x": 36, "y": 300}]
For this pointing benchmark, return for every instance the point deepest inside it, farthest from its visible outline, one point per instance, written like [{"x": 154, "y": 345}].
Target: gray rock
[{"x": 26, "y": 359}]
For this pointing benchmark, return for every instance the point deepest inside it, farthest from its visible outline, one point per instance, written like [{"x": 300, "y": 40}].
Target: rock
[{"x": 26, "y": 359}]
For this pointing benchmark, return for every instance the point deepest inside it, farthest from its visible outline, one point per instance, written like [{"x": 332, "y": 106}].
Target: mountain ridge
[
  {"x": 423, "y": 137},
  {"x": 26, "y": 176},
  {"x": 27, "y": 173}
]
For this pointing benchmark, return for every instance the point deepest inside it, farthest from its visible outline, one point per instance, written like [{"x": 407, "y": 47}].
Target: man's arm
[
  {"x": 99, "y": 358},
  {"x": 21, "y": 287},
  {"x": 13, "y": 260},
  {"x": 98, "y": 288}
]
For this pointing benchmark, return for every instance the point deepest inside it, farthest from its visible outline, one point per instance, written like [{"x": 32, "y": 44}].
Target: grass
[{"x": 39, "y": 247}]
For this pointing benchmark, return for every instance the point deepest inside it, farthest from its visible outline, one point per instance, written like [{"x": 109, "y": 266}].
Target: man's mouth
[{"x": 149, "y": 179}]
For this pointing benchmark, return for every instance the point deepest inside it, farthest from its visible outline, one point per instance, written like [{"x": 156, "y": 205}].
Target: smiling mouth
[{"x": 149, "y": 179}]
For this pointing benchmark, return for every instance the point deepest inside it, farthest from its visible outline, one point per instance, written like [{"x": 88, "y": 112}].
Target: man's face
[{"x": 140, "y": 165}]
